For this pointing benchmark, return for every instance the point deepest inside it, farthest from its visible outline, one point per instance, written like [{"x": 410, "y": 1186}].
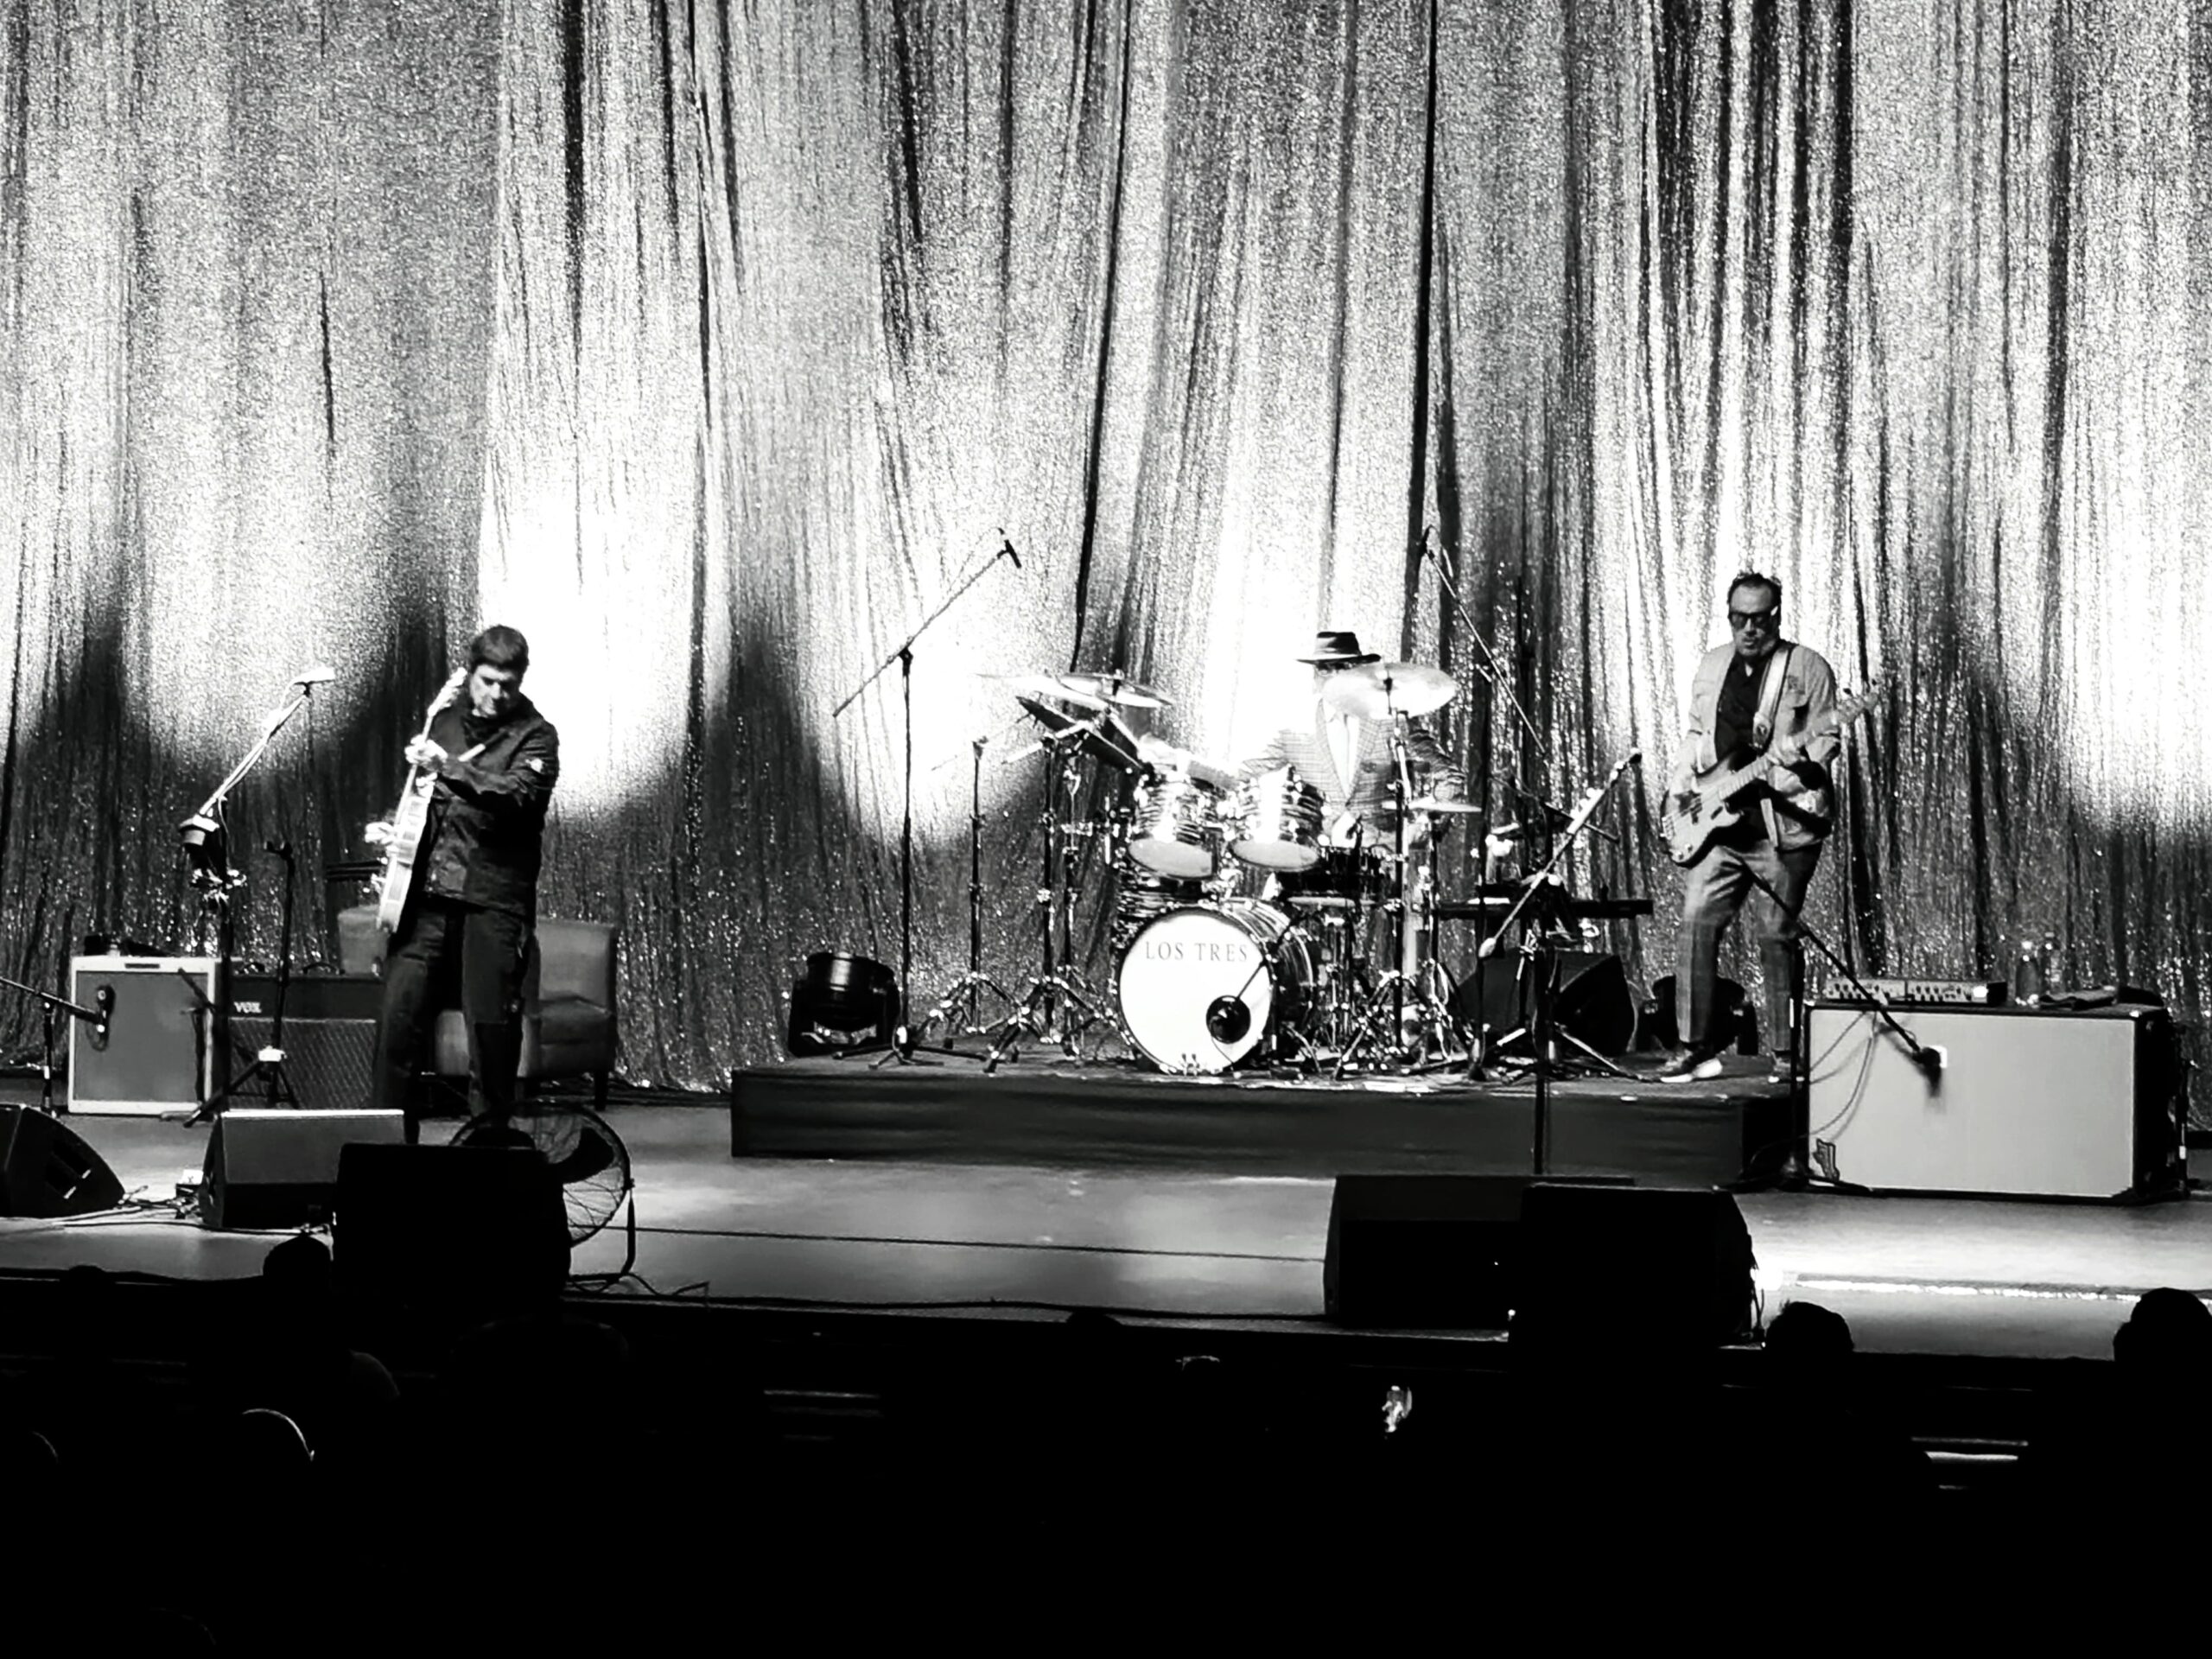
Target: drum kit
[{"x": 1243, "y": 933}]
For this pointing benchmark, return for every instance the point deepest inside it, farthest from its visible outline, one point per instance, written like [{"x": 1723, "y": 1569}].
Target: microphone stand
[
  {"x": 270, "y": 1060},
  {"x": 50, "y": 1005},
  {"x": 902, "y": 1040},
  {"x": 966, "y": 992},
  {"x": 206, "y": 839},
  {"x": 1927, "y": 1059},
  {"x": 1546, "y": 880},
  {"x": 1490, "y": 669}
]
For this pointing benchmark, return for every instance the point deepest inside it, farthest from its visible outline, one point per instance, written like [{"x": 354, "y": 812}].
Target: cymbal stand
[
  {"x": 1056, "y": 1005},
  {"x": 1391, "y": 992},
  {"x": 1540, "y": 889}
]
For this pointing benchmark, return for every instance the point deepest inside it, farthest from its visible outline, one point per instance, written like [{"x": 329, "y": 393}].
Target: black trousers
[{"x": 443, "y": 946}]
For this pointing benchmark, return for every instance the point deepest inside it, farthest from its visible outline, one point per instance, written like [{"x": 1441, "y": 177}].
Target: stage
[{"x": 873, "y": 1203}]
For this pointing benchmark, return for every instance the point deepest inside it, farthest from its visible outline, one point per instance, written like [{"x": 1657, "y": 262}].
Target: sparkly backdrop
[{"x": 713, "y": 346}]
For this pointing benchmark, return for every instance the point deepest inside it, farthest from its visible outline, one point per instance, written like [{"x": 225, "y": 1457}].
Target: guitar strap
[{"x": 1770, "y": 695}]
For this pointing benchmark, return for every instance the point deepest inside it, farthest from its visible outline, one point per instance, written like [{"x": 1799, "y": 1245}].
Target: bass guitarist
[
  {"x": 491, "y": 760},
  {"x": 1757, "y": 695}
]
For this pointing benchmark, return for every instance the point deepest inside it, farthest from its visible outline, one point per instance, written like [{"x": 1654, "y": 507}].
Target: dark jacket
[{"x": 488, "y": 816}]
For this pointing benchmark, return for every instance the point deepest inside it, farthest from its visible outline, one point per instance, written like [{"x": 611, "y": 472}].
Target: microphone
[
  {"x": 1228, "y": 1018},
  {"x": 315, "y": 674},
  {"x": 1006, "y": 548},
  {"x": 1929, "y": 1058},
  {"x": 104, "y": 1000}
]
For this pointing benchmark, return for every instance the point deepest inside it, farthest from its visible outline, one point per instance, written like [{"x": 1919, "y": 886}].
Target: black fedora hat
[{"x": 1330, "y": 648}]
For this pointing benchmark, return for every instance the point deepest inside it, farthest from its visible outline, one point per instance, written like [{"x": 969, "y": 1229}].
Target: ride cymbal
[
  {"x": 1115, "y": 687},
  {"x": 1034, "y": 684},
  {"x": 1378, "y": 690}
]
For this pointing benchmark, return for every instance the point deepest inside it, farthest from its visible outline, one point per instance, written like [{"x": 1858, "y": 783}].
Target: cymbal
[
  {"x": 1377, "y": 690},
  {"x": 1028, "y": 685},
  {"x": 1430, "y": 803},
  {"x": 1116, "y": 687}
]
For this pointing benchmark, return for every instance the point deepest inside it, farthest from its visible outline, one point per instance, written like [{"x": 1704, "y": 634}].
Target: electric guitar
[
  {"x": 410, "y": 818},
  {"x": 1689, "y": 827}
]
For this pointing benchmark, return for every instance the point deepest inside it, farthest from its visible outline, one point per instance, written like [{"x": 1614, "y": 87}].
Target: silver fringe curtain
[{"x": 713, "y": 346}]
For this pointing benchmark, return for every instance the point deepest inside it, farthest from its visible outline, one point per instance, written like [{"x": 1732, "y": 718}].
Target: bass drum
[{"x": 1203, "y": 988}]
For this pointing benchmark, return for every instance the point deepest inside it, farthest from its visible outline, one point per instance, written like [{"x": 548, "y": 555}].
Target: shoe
[{"x": 1689, "y": 1065}]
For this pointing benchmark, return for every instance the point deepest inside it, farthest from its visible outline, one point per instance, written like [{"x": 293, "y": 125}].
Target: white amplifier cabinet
[
  {"x": 2080, "y": 1104},
  {"x": 159, "y": 1052}
]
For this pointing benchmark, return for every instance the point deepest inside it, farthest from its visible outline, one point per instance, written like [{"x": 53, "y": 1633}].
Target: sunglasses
[{"x": 1751, "y": 619}]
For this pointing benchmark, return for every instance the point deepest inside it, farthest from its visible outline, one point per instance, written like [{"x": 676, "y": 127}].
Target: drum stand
[
  {"x": 1056, "y": 1005},
  {"x": 1400, "y": 986},
  {"x": 960, "y": 1007}
]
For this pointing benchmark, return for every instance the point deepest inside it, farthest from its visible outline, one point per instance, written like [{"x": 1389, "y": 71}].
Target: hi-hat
[
  {"x": 1102, "y": 737},
  {"x": 1377, "y": 690},
  {"x": 1430, "y": 803}
]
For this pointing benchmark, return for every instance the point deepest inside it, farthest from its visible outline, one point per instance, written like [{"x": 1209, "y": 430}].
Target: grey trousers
[{"x": 1719, "y": 887}]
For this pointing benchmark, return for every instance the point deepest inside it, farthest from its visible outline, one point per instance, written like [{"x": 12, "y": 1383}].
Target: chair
[{"x": 567, "y": 1009}]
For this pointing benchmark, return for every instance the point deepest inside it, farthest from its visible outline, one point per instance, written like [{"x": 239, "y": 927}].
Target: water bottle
[{"x": 2027, "y": 976}]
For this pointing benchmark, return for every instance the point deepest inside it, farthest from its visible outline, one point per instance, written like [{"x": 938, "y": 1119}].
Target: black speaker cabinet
[
  {"x": 327, "y": 1063},
  {"x": 1422, "y": 1250},
  {"x": 45, "y": 1168},
  {"x": 1593, "y": 1000},
  {"x": 157, "y": 1055},
  {"x": 1632, "y": 1268},
  {"x": 454, "y": 1227},
  {"x": 280, "y": 1168},
  {"x": 2032, "y": 1102}
]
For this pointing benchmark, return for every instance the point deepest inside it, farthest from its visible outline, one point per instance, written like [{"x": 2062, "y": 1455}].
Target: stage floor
[{"x": 1913, "y": 1275}]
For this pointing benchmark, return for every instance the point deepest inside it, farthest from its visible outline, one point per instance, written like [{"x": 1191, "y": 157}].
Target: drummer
[{"x": 1347, "y": 756}]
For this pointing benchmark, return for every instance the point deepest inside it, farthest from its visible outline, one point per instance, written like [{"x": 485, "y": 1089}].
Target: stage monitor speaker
[
  {"x": 841, "y": 1005},
  {"x": 46, "y": 1170},
  {"x": 454, "y": 1227},
  {"x": 1631, "y": 1269},
  {"x": 155, "y": 1056},
  {"x": 1592, "y": 1002},
  {"x": 2028, "y": 1102},
  {"x": 1422, "y": 1250},
  {"x": 280, "y": 1168}
]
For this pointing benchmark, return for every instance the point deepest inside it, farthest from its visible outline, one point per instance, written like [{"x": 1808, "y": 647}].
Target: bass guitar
[
  {"x": 1702, "y": 811},
  {"x": 410, "y": 819}
]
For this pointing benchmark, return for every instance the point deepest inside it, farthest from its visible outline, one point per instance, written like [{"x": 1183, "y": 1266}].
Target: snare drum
[
  {"x": 1203, "y": 988},
  {"x": 1340, "y": 877},
  {"x": 1277, "y": 819},
  {"x": 1177, "y": 830}
]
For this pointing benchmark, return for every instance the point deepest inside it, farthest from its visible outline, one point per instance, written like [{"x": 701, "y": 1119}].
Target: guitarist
[
  {"x": 470, "y": 916},
  {"x": 1758, "y": 694}
]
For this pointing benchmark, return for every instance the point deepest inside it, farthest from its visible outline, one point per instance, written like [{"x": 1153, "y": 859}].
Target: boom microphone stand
[
  {"x": 205, "y": 837},
  {"x": 960, "y": 1008},
  {"x": 902, "y": 1043},
  {"x": 1542, "y": 1034},
  {"x": 50, "y": 1005}
]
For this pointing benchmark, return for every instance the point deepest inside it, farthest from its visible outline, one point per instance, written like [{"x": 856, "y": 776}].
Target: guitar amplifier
[
  {"x": 330, "y": 1037},
  {"x": 2027, "y": 1102},
  {"x": 155, "y": 1056}
]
